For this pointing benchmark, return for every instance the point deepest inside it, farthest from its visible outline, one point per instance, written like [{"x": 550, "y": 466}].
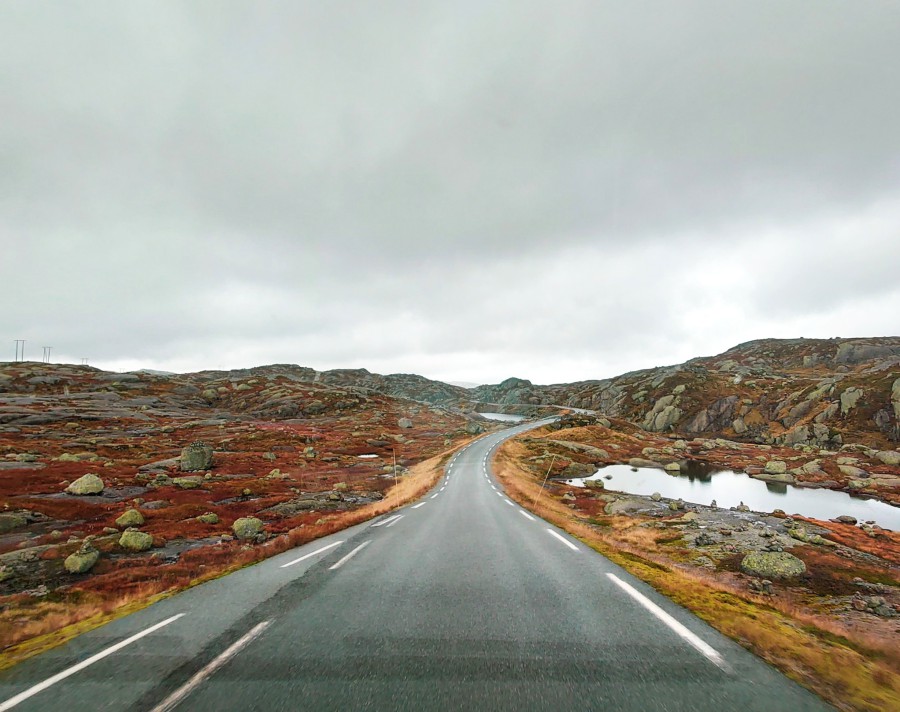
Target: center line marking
[
  {"x": 350, "y": 555},
  {"x": 172, "y": 700},
  {"x": 306, "y": 556},
  {"x": 399, "y": 517},
  {"x": 526, "y": 515},
  {"x": 564, "y": 540},
  {"x": 420, "y": 504},
  {"x": 50, "y": 681},
  {"x": 385, "y": 521},
  {"x": 707, "y": 650}
]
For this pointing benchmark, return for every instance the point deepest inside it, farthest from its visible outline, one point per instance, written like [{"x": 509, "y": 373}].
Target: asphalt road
[{"x": 461, "y": 600}]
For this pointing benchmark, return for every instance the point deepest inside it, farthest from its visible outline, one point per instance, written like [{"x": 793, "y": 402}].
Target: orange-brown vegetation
[{"x": 276, "y": 440}]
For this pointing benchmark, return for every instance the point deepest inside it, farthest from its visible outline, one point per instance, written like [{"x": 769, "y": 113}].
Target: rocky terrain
[
  {"x": 821, "y": 392},
  {"x": 108, "y": 480}
]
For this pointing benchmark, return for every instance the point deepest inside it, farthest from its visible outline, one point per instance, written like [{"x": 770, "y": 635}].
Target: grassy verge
[
  {"x": 852, "y": 673},
  {"x": 28, "y": 628}
]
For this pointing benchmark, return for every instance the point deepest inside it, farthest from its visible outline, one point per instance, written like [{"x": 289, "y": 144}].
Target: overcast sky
[{"x": 466, "y": 190}]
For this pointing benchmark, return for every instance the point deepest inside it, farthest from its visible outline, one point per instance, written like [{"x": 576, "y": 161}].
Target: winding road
[{"x": 461, "y": 600}]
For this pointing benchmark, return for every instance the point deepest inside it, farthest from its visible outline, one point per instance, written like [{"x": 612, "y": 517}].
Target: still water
[
  {"x": 503, "y": 416},
  {"x": 731, "y": 488}
]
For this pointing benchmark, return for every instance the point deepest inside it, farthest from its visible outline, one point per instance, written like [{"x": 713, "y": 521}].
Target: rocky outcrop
[{"x": 849, "y": 399}]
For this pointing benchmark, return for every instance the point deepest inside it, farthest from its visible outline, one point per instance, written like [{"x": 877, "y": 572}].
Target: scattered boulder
[
  {"x": 190, "y": 482},
  {"x": 131, "y": 518},
  {"x": 404, "y": 423},
  {"x": 473, "y": 428},
  {"x": 209, "y": 518},
  {"x": 672, "y": 467},
  {"x": 196, "y": 456},
  {"x": 772, "y": 565},
  {"x": 247, "y": 528},
  {"x": 82, "y": 560},
  {"x": 593, "y": 484},
  {"x": 656, "y": 496},
  {"x": 845, "y": 519},
  {"x": 135, "y": 540},
  {"x": 88, "y": 484},
  {"x": 775, "y": 467},
  {"x": 704, "y": 539}
]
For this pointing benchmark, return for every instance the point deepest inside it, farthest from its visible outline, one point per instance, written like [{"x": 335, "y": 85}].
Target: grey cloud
[{"x": 381, "y": 179}]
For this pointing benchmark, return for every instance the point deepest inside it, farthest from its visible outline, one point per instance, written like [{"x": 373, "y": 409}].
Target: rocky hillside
[
  {"x": 125, "y": 475},
  {"x": 821, "y": 392}
]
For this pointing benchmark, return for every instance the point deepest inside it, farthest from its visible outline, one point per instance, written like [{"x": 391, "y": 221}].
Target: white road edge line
[
  {"x": 420, "y": 504},
  {"x": 509, "y": 503},
  {"x": 434, "y": 495},
  {"x": 397, "y": 519},
  {"x": 384, "y": 521},
  {"x": 707, "y": 650},
  {"x": 349, "y": 556},
  {"x": 526, "y": 514},
  {"x": 50, "y": 681},
  {"x": 182, "y": 692},
  {"x": 306, "y": 556},
  {"x": 564, "y": 540}
]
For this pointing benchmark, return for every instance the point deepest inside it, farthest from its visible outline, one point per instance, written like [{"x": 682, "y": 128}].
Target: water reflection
[{"x": 701, "y": 484}]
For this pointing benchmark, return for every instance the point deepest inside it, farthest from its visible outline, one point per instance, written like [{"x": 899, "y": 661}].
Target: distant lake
[
  {"x": 503, "y": 416},
  {"x": 729, "y": 489}
]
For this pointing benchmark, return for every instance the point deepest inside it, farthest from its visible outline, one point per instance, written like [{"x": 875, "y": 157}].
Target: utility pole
[
  {"x": 395, "y": 465},
  {"x": 20, "y": 350},
  {"x": 47, "y": 353}
]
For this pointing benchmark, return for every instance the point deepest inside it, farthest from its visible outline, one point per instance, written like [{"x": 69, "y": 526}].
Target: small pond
[
  {"x": 506, "y": 417},
  {"x": 729, "y": 489}
]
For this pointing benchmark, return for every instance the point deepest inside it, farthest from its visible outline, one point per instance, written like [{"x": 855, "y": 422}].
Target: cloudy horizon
[{"x": 555, "y": 191}]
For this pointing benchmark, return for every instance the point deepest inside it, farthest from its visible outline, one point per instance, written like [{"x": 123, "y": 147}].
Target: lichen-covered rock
[
  {"x": 247, "y": 527},
  {"x": 593, "y": 484},
  {"x": 775, "y": 467},
  {"x": 134, "y": 540},
  {"x": 673, "y": 467},
  {"x": 849, "y": 399},
  {"x": 130, "y": 518},
  {"x": 889, "y": 457},
  {"x": 196, "y": 456},
  {"x": 209, "y": 518},
  {"x": 404, "y": 423},
  {"x": 86, "y": 485},
  {"x": 187, "y": 482},
  {"x": 772, "y": 565},
  {"x": 82, "y": 560},
  {"x": 8, "y": 522}
]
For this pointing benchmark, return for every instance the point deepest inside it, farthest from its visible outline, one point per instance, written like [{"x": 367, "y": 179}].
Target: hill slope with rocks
[
  {"x": 110, "y": 482},
  {"x": 821, "y": 392}
]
